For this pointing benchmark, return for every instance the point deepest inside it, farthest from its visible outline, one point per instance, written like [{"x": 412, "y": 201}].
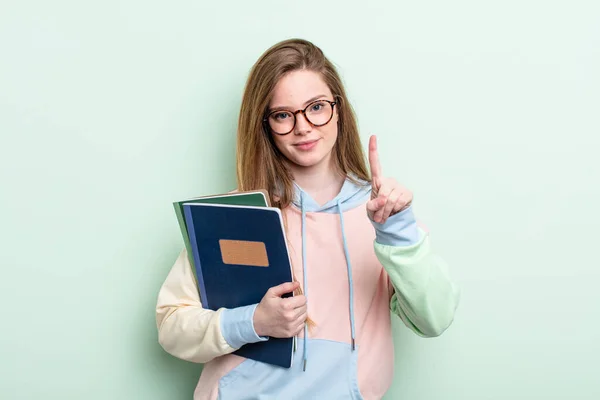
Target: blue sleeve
[
  {"x": 399, "y": 230},
  {"x": 237, "y": 326}
]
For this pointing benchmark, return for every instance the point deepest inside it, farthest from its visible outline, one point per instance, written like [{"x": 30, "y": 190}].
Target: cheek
[
  {"x": 280, "y": 142},
  {"x": 332, "y": 130}
]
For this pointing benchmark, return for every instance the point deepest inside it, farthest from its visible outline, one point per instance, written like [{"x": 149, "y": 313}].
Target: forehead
[{"x": 297, "y": 87}]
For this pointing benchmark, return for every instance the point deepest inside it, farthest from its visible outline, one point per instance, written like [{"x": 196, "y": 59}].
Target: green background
[{"x": 488, "y": 111}]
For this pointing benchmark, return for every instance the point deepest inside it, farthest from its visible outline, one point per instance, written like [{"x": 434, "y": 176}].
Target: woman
[{"x": 352, "y": 237}]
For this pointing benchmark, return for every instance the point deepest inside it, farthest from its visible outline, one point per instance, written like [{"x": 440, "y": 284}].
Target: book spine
[
  {"x": 178, "y": 206},
  {"x": 194, "y": 245}
]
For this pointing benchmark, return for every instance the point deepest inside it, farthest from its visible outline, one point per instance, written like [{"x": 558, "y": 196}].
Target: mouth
[{"x": 306, "y": 145}]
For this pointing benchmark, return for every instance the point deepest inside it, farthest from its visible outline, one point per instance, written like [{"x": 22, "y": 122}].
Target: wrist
[
  {"x": 257, "y": 321},
  {"x": 237, "y": 326},
  {"x": 399, "y": 229}
]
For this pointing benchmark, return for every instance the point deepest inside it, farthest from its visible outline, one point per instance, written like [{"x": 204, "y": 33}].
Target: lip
[{"x": 307, "y": 145}]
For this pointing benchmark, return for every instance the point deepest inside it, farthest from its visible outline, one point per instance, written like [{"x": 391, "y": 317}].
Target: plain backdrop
[{"x": 488, "y": 111}]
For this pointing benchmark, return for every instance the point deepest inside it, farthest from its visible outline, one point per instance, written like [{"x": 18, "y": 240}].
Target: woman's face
[{"x": 306, "y": 146}]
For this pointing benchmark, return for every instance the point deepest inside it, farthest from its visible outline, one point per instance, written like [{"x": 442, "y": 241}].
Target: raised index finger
[{"x": 374, "y": 158}]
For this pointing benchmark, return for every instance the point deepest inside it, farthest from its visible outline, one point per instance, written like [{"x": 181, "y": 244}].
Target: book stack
[{"x": 237, "y": 248}]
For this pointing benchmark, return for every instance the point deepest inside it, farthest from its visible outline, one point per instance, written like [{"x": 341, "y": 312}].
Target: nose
[{"x": 302, "y": 125}]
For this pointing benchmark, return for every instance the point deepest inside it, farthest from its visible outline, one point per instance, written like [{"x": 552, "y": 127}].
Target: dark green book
[{"x": 256, "y": 198}]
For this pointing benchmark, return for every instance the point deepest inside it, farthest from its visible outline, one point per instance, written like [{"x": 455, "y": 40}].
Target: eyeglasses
[{"x": 317, "y": 113}]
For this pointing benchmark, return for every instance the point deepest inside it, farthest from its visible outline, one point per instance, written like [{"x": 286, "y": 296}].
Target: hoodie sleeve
[
  {"x": 424, "y": 297},
  {"x": 188, "y": 331}
]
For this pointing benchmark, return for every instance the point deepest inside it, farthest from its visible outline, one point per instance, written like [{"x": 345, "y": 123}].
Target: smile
[{"x": 307, "y": 145}]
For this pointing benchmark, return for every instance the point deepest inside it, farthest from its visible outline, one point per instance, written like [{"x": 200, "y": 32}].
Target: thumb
[
  {"x": 376, "y": 204},
  {"x": 280, "y": 290}
]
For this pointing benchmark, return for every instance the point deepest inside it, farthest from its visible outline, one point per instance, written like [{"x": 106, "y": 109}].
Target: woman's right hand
[{"x": 280, "y": 317}]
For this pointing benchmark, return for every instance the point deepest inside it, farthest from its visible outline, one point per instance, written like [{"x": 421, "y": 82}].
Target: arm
[
  {"x": 424, "y": 296},
  {"x": 192, "y": 333}
]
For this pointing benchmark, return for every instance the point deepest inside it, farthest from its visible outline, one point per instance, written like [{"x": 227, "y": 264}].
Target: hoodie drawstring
[
  {"x": 304, "y": 273},
  {"x": 350, "y": 283}
]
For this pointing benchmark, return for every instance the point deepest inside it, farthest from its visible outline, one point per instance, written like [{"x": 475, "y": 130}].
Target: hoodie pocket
[{"x": 330, "y": 374}]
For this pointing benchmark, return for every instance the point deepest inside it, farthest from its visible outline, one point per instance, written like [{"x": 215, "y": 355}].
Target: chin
[
  {"x": 306, "y": 164},
  {"x": 307, "y": 161}
]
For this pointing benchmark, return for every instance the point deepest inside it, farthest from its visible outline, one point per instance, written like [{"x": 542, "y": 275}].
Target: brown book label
[{"x": 242, "y": 252}]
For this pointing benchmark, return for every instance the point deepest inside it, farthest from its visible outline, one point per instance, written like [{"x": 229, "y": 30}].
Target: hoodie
[{"x": 354, "y": 272}]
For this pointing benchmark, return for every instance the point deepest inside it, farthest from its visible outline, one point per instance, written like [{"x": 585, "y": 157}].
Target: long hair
[{"x": 260, "y": 165}]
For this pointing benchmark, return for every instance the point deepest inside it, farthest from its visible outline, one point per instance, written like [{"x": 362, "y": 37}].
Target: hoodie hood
[{"x": 353, "y": 193}]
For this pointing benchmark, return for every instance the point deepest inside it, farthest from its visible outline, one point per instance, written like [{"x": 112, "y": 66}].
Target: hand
[
  {"x": 280, "y": 317},
  {"x": 388, "y": 197}
]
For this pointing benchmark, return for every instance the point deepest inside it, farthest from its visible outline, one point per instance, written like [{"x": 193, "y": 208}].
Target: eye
[
  {"x": 280, "y": 116},
  {"x": 317, "y": 106}
]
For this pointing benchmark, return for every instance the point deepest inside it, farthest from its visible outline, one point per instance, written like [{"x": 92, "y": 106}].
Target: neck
[{"x": 322, "y": 182}]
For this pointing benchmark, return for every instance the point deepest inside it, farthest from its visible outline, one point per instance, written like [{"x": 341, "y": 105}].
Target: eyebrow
[{"x": 305, "y": 103}]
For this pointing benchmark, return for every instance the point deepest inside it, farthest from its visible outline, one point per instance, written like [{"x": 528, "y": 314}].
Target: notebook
[{"x": 240, "y": 252}]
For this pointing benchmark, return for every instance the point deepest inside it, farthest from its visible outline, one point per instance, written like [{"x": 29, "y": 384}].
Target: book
[
  {"x": 240, "y": 252},
  {"x": 248, "y": 198}
]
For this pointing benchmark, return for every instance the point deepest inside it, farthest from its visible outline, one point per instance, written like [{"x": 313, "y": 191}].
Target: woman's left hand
[{"x": 388, "y": 197}]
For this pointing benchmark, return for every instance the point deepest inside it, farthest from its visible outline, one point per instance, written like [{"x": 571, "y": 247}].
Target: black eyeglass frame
[{"x": 294, "y": 113}]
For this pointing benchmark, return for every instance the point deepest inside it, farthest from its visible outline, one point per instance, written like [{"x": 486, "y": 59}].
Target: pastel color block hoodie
[{"x": 354, "y": 271}]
